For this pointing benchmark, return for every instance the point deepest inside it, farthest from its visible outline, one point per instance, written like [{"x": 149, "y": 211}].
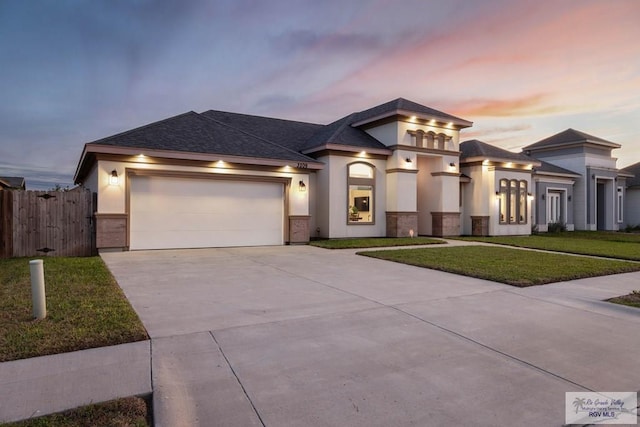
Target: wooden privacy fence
[{"x": 52, "y": 223}]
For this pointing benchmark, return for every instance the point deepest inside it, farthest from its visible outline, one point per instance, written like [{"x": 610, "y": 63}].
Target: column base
[
  {"x": 400, "y": 224},
  {"x": 445, "y": 224}
]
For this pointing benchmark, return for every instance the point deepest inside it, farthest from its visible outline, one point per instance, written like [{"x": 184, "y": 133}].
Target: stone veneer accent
[
  {"x": 299, "y": 229},
  {"x": 445, "y": 224},
  {"x": 111, "y": 231},
  {"x": 399, "y": 224},
  {"x": 479, "y": 225}
]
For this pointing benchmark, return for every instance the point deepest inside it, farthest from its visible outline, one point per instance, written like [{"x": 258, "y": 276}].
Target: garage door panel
[{"x": 169, "y": 212}]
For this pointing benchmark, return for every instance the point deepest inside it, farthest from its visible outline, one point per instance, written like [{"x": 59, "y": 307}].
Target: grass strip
[
  {"x": 125, "y": 412},
  {"x": 608, "y": 245},
  {"x": 632, "y": 299},
  {"x": 514, "y": 267},
  {"x": 85, "y": 309},
  {"x": 374, "y": 242}
]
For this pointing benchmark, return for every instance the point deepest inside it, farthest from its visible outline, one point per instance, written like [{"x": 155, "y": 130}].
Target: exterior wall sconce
[
  {"x": 408, "y": 160},
  {"x": 301, "y": 186},
  {"x": 113, "y": 178},
  {"x": 542, "y": 196},
  {"x": 497, "y": 193},
  {"x": 569, "y": 197},
  {"x": 530, "y": 196}
]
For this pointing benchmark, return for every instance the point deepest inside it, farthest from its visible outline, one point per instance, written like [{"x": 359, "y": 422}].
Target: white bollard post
[{"x": 38, "y": 297}]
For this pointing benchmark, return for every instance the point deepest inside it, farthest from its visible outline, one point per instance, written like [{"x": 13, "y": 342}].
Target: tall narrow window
[
  {"x": 503, "y": 199},
  {"x": 512, "y": 197},
  {"x": 620, "y": 204},
  {"x": 554, "y": 207},
  {"x": 361, "y": 190},
  {"x": 522, "y": 205},
  {"x": 513, "y": 201}
]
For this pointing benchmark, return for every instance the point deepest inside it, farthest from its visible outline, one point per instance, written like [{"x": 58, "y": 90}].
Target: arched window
[
  {"x": 360, "y": 193},
  {"x": 512, "y": 196}
]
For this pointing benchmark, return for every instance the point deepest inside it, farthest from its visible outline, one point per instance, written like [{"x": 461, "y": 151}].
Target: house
[
  {"x": 632, "y": 196},
  {"x": 12, "y": 183},
  {"x": 592, "y": 198},
  {"x": 217, "y": 179}
]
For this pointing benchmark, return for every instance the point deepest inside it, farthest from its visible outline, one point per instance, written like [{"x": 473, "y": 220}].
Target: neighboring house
[
  {"x": 632, "y": 196},
  {"x": 220, "y": 179},
  {"x": 12, "y": 183},
  {"x": 593, "y": 198}
]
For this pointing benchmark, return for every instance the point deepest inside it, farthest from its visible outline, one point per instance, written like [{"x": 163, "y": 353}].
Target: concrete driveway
[{"x": 301, "y": 336}]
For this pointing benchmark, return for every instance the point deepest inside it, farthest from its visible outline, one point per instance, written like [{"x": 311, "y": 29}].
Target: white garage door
[{"x": 170, "y": 212}]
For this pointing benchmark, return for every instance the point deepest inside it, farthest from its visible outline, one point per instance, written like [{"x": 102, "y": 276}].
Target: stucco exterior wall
[
  {"x": 323, "y": 200},
  {"x": 479, "y": 195},
  {"x": 396, "y": 133},
  {"x": 632, "y": 207},
  {"x": 333, "y": 183},
  {"x": 542, "y": 187},
  {"x": 495, "y": 227},
  {"x": 386, "y": 133},
  {"x": 402, "y": 195},
  {"x": 112, "y": 198},
  {"x": 91, "y": 181}
]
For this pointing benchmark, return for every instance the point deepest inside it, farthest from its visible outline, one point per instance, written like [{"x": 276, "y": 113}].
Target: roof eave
[
  {"x": 460, "y": 123},
  {"x": 607, "y": 144},
  {"x": 564, "y": 175},
  {"x": 347, "y": 148},
  {"x": 473, "y": 159},
  {"x": 92, "y": 149}
]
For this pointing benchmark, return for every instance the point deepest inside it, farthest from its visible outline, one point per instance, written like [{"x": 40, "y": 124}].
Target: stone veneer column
[
  {"x": 445, "y": 224},
  {"x": 479, "y": 225},
  {"x": 298, "y": 229},
  {"x": 399, "y": 224},
  {"x": 111, "y": 231}
]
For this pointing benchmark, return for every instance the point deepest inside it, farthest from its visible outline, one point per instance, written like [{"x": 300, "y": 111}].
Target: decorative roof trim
[
  {"x": 568, "y": 175},
  {"x": 408, "y": 113},
  {"x": 347, "y": 148},
  {"x": 474, "y": 159},
  {"x": 90, "y": 150},
  {"x": 400, "y": 170}
]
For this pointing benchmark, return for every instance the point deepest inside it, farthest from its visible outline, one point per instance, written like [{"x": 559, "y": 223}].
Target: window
[
  {"x": 361, "y": 190},
  {"x": 512, "y": 198},
  {"x": 620, "y": 204},
  {"x": 554, "y": 208}
]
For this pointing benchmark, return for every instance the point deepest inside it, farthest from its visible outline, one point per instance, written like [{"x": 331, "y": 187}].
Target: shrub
[{"x": 556, "y": 227}]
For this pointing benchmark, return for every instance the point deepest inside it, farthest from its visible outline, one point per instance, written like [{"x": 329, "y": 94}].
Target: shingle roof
[
  {"x": 341, "y": 132},
  {"x": 635, "y": 170},
  {"x": 12, "y": 182},
  {"x": 553, "y": 169},
  {"x": 194, "y": 133},
  {"x": 569, "y": 136},
  {"x": 287, "y": 133},
  {"x": 474, "y": 148},
  {"x": 405, "y": 104}
]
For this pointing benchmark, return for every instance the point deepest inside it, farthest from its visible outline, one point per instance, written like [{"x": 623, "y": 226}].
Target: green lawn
[
  {"x": 374, "y": 242},
  {"x": 604, "y": 244},
  {"x": 126, "y": 412},
  {"x": 85, "y": 309},
  {"x": 515, "y": 267},
  {"x": 632, "y": 299}
]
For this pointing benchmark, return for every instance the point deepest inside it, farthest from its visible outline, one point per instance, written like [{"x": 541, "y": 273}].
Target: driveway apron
[{"x": 302, "y": 336}]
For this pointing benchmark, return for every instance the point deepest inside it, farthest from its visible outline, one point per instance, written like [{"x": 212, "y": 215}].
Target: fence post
[{"x": 38, "y": 297}]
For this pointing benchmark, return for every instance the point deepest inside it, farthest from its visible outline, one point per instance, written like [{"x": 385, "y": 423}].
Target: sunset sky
[{"x": 75, "y": 71}]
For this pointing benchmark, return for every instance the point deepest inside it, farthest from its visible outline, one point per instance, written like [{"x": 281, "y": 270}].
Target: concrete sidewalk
[
  {"x": 44, "y": 385},
  {"x": 299, "y": 335}
]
